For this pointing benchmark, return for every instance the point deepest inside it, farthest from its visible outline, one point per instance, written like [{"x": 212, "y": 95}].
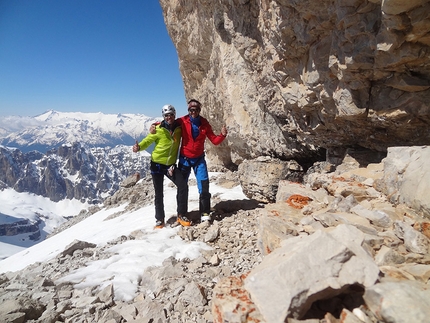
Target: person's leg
[
  {"x": 202, "y": 177},
  {"x": 157, "y": 180},
  {"x": 183, "y": 172},
  {"x": 179, "y": 178},
  {"x": 185, "y": 167}
]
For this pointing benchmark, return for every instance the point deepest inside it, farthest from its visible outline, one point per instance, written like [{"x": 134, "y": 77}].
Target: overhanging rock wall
[{"x": 289, "y": 77}]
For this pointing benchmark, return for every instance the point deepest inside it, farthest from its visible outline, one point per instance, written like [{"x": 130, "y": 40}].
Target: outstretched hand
[
  {"x": 224, "y": 130},
  {"x": 136, "y": 147},
  {"x": 152, "y": 129}
]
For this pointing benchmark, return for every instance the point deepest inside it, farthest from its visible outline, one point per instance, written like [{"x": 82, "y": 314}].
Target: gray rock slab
[
  {"x": 399, "y": 302},
  {"x": 407, "y": 176},
  {"x": 305, "y": 269}
]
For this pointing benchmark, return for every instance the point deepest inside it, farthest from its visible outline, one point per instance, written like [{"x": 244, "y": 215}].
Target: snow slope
[{"x": 128, "y": 260}]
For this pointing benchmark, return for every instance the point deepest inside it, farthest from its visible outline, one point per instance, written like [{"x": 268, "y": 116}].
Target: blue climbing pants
[{"x": 201, "y": 172}]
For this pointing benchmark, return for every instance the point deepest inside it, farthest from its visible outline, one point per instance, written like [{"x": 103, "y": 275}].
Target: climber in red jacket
[{"x": 195, "y": 129}]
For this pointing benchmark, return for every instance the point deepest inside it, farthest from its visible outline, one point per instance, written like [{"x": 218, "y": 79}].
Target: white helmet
[{"x": 168, "y": 109}]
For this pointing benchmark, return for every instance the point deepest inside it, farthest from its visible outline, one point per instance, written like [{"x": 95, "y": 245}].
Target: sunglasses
[
  {"x": 194, "y": 110},
  {"x": 167, "y": 115}
]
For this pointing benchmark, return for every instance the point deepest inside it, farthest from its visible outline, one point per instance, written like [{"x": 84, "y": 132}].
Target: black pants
[{"x": 158, "y": 172}]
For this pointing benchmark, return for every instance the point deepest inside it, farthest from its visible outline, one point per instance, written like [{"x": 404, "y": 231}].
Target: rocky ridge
[
  {"x": 334, "y": 248},
  {"x": 53, "y": 129},
  {"x": 71, "y": 171}
]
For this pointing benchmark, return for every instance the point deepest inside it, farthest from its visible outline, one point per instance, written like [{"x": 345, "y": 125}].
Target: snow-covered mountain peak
[
  {"x": 52, "y": 129},
  {"x": 47, "y": 115}
]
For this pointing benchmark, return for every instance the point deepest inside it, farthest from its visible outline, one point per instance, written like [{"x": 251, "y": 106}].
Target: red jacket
[{"x": 193, "y": 148}]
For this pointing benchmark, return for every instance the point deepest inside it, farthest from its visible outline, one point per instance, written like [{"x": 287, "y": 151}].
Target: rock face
[
  {"x": 290, "y": 77},
  {"x": 20, "y": 227}
]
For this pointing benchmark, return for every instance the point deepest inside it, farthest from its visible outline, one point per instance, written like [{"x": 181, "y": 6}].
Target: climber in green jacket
[{"x": 167, "y": 140}]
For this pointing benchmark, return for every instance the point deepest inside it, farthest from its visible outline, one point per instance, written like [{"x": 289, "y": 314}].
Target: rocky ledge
[{"x": 334, "y": 248}]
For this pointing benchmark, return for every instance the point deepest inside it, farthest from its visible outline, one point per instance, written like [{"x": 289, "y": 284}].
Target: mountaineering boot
[
  {"x": 183, "y": 220},
  {"x": 159, "y": 224},
  {"x": 205, "y": 217}
]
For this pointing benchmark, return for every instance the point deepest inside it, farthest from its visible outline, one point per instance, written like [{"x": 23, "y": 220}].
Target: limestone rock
[
  {"x": 131, "y": 180},
  {"x": 273, "y": 228},
  {"x": 291, "y": 77},
  {"x": 402, "y": 302},
  {"x": 232, "y": 302},
  {"x": 77, "y": 245},
  {"x": 414, "y": 241},
  {"x": 305, "y": 269},
  {"x": 407, "y": 177},
  {"x": 388, "y": 256},
  {"x": 260, "y": 177}
]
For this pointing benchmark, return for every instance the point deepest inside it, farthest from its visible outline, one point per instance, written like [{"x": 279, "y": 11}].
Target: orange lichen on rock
[
  {"x": 275, "y": 213},
  {"x": 340, "y": 179},
  {"x": 347, "y": 180},
  {"x": 232, "y": 292},
  {"x": 297, "y": 201},
  {"x": 423, "y": 227},
  {"x": 217, "y": 314}
]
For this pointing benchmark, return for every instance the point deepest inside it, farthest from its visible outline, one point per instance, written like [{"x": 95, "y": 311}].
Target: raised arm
[{"x": 216, "y": 140}]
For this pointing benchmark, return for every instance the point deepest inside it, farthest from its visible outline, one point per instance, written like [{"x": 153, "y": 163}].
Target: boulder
[
  {"x": 306, "y": 269},
  {"x": 399, "y": 302},
  {"x": 260, "y": 177},
  {"x": 130, "y": 180},
  {"x": 406, "y": 177}
]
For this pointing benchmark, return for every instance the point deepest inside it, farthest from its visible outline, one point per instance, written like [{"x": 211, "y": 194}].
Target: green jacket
[{"x": 166, "y": 144}]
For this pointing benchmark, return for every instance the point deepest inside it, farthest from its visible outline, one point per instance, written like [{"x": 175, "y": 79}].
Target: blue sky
[{"x": 107, "y": 56}]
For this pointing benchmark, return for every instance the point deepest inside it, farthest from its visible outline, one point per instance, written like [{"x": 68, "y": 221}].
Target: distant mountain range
[
  {"x": 71, "y": 171},
  {"x": 82, "y": 156},
  {"x": 52, "y": 129}
]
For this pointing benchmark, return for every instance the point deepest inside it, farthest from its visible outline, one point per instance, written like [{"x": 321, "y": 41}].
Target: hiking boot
[
  {"x": 184, "y": 221},
  {"x": 159, "y": 224},
  {"x": 205, "y": 217}
]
